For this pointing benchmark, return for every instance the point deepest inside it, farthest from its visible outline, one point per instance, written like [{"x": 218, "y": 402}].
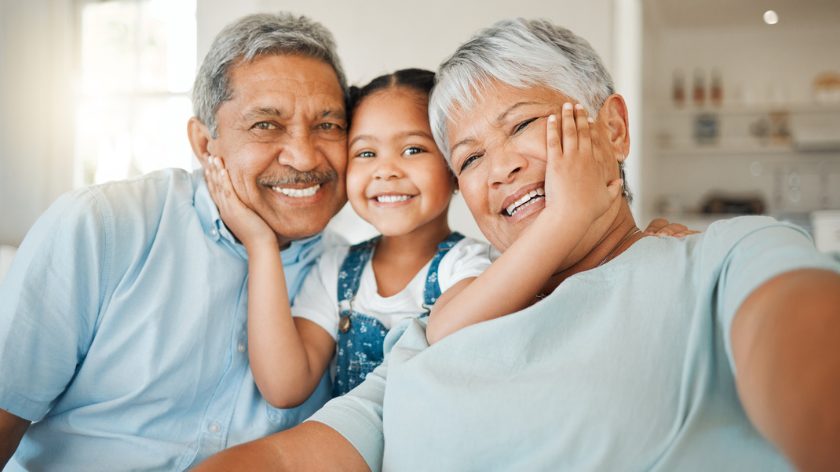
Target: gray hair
[
  {"x": 248, "y": 38},
  {"x": 521, "y": 53}
]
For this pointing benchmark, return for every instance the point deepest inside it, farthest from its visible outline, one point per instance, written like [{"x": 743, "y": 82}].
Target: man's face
[
  {"x": 282, "y": 135},
  {"x": 498, "y": 150}
]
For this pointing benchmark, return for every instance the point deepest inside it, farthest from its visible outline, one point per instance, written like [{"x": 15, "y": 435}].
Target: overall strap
[
  {"x": 431, "y": 292},
  {"x": 350, "y": 274}
]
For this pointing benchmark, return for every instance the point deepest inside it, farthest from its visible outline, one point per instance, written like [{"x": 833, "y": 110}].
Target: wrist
[{"x": 261, "y": 244}]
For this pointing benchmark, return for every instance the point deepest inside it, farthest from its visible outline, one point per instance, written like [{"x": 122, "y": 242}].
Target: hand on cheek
[
  {"x": 578, "y": 185},
  {"x": 248, "y": 227}
]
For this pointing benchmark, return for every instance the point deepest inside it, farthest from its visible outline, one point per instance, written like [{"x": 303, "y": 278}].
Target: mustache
[{"x": 292, "y": 176}]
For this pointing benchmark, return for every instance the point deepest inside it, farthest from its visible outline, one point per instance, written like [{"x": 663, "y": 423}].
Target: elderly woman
[{"x": 719, "y": 351}]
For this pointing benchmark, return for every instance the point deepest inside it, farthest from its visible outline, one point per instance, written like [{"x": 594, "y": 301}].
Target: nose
[
  {"x": 300, "y": 153},
  {"x": 505, "y": 164},
  {"x": 387, "y": 169}
]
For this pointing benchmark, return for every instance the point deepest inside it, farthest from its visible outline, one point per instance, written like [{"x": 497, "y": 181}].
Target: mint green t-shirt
[{"x": 623, "y": 367}]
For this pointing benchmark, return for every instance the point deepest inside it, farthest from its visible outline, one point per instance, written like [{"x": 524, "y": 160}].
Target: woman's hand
[
  {"x": 577, "y": 184},
  {"x": 245, "y": 224}
]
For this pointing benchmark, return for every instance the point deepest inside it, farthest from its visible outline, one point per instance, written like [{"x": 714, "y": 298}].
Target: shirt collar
[{"x": 216, "y": 230}]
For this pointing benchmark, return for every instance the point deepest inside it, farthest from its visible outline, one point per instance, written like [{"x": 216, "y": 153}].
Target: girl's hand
[
  {"x": 663, "y": 227},
  {"x": 245, "y": 224},
  {"x": 576, "y": 180}
]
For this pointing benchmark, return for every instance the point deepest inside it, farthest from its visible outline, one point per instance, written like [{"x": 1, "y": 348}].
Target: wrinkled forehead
[
  {"x": 454, "y": 110},
  {"x": 492, "y": 106}
]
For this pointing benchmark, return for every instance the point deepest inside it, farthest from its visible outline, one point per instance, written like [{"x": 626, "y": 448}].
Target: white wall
[{"x": 36, "y": 130}]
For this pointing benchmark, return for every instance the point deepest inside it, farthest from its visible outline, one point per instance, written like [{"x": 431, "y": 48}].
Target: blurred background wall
[{"x": 730, "y": 114}]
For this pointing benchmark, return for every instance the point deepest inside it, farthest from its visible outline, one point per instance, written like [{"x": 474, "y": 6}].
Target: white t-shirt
[{"x": 317, "y": 300}]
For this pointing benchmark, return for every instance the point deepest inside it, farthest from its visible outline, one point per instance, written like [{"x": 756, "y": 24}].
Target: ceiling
[{"x": 741, "y": 13}]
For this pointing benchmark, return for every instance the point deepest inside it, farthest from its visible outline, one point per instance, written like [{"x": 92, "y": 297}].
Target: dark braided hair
[{"x": 418, "y": 80}]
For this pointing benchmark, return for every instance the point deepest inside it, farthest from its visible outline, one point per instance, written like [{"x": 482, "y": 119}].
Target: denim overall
[{"x": 360, "y": 336}]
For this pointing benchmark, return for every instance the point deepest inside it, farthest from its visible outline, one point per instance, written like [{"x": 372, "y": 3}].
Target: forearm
[
  {"x": 309, "y": 446},
  {"x": 12, "y": 429},
  {"x": 520, "y": 274},
  {"x": 785, "y": 343},
  {"x": 279, "y": 358}
]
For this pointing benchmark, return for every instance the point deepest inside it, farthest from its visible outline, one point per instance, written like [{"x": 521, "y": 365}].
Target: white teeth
[
  {"x": 527, "y": 198},
  {"x": 392, "y": 198},
  {"x": 297, "y": 192}
]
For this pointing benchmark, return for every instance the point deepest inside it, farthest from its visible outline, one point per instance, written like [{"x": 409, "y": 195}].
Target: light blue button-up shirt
[
  {"x": 623, "y": 367},
  {"x": 123, "y": 330}
]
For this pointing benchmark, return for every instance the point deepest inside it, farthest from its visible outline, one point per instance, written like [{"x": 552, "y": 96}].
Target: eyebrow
[
  {"x": 337, "y": 113},
  {"x": 499, "y": 119},
  {"x": 513, "y": 107},
  {"x": 407, "y": 134},
  {"x": 259, "y": 112}
]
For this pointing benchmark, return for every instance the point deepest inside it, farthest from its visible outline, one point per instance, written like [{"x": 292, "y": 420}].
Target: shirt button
[
  {"x": 240, "y": 347},
  {"x": 214, "y": 232},
  {"x": 214, "y": 427}
]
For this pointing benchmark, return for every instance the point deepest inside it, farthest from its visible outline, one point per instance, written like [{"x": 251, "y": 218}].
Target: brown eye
[
  {"x": 522, "y": 125},
  {"x": 469, "y": 161},
  {"x": 412, "y": 150},
  {"x": 264, "y": 125}
]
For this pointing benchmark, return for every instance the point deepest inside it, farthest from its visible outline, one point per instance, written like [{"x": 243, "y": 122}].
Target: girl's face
[{"x": 397, "y": 179}]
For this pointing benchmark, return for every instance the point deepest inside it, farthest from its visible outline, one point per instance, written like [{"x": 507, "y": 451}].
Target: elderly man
[
  {"x": 718, "y": 352},
  {"x": 122, "y": 320}
]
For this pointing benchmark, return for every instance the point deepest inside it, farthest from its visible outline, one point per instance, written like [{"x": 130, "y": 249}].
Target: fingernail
[
  {"x": 578, "y": 106},
  {"x": 567, "y": 106},
  {"x": 590, "y": 119},
  {"x": 552, "y": 118}
]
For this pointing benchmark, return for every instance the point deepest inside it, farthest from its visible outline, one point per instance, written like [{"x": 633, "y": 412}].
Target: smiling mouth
[
  {"x": 297, "y": 192},
  {"x": 392, "y": 198},
  {"x": 526, "y": 200}
]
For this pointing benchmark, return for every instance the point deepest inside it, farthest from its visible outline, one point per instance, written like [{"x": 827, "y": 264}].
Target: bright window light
[{"x": 138, "y": 61}]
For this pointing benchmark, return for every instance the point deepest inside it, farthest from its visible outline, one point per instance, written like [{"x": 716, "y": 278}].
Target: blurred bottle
[
  {"x": 678, "y": 89},
  {"x": 716, "y": 91},
  {"x": 698, "y": 93}
]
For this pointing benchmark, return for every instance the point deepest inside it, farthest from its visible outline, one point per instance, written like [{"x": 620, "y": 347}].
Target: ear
[
  {"x": 613, "y": 114},
  {"x": 200, "y": 140}
]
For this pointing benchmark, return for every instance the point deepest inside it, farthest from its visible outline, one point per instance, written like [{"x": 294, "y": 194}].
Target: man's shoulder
[{"x": 154, "y": 187}]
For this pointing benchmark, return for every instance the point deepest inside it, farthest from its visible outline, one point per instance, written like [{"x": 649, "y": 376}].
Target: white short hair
[{"x": 521, "y": 53}]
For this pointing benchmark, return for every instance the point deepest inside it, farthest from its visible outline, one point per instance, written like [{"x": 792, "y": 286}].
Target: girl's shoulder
[
  {"x": 468, "y": 258},
  {"x": 469, "y": 247}
]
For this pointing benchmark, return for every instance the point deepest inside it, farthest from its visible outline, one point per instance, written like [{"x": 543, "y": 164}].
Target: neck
[
  {"x": 619, "y": 236},
  {"x": 418, "y": 244}
]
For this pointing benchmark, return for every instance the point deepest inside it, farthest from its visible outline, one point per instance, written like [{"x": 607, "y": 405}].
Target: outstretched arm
[
  {"x": 576, "y": 195},
  {"x": 786, "y": 348},
  {"x": 288, "y": 355},
  {"x": 309, "y": 446}
]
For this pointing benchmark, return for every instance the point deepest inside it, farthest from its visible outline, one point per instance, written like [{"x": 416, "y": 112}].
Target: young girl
[{"x": 398, "y": 181}]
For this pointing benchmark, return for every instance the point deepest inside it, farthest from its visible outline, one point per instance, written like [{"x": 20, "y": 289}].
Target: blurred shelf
[{"x": 750, "y": 109}]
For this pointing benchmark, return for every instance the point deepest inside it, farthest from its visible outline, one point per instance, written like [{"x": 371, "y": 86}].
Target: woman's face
[
  {"x": 397, "y": 179},
  {"x": 498, "y": 154}
]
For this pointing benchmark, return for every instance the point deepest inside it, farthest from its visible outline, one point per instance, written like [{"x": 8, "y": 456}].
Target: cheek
[
  {"x": 356, "y": 180},
  {"x": 531, "y": 143},
  {"x": 336, "y": 152},
  {"x": 475, "y": 197}
]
